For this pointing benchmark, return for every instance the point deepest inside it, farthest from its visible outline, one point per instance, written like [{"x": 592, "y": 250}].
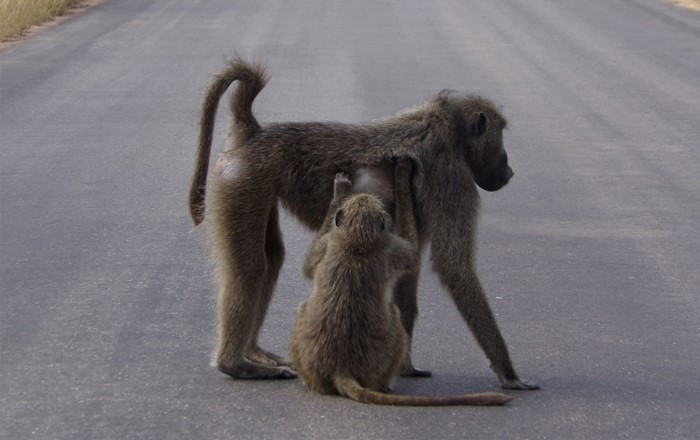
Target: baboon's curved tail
[
  {"x": 349, "y": 387},
  {"x": 252, "y": 79}
]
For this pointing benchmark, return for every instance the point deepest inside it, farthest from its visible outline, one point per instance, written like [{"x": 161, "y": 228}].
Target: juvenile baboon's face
[
  {"x": 490, "y": 164},
  {"x": 363, "y": 222}
]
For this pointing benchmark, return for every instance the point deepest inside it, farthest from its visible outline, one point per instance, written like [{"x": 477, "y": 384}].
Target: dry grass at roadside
[
  {"x": 17, "y": 16},
  {"x": 690, "y": 4}
]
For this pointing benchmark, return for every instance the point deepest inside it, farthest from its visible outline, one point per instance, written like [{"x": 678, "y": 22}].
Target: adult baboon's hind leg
[
  {"x": 238, "y": 234},
  {"x": 274, "y": 255}
]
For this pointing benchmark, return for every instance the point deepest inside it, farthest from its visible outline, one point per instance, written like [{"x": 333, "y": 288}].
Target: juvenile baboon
[
  {"x": 348, "y": 337},
  {"x": 456, "y": 143}
]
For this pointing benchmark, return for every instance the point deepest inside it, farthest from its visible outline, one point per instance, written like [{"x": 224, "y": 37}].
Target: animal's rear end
[{"x": 252, "y": 79}]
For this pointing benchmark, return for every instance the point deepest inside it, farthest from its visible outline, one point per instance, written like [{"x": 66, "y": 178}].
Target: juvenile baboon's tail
[
  {"x": 349, "y": 387},
  {"x": 251, "y": 78}
]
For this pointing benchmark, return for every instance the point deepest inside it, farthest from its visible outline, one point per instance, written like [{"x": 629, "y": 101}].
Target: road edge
[{"x": 70, "y": 13}]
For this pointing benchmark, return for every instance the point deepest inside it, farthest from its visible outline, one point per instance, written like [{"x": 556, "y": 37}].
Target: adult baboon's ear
[
  {"x": 480, "y": 124},
  {"x": 338, "y": 217}
]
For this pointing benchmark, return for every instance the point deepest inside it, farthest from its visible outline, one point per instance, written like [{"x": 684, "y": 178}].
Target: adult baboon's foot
[
  {"x": 408, "y": 370},
  {"x": 250, "y": 370},
  {"x": 519, "y": 384},
  {"x": 260, "y": 356}
]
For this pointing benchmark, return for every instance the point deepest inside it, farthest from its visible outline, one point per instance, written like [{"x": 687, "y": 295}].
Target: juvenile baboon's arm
[
  {"x": 341, "y": 189},
  {"x": 301, "y": 310},
  {"x": 342, "y": 186},
  {"x": 403, "y": 255},
  {"x": 315, "y": 255},
  {"x": 298, "y": 324}
]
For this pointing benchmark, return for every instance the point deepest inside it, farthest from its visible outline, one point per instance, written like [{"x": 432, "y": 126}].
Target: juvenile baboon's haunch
[
  {"x": 348, "y": 337},
  {"x": 456, "y": 143}
]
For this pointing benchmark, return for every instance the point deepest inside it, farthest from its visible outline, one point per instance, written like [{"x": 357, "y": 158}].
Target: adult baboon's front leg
[
  {"x": 239, "y": 236},
  {"x": 405, "y": 298},
  {"x": 475, "y": 309},
  {"x": 406, "y": 289},
  {"x": 466, "y": 291}
]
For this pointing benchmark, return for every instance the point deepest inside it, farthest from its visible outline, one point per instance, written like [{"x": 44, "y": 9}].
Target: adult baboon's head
[{"x": 485, "y": 153}]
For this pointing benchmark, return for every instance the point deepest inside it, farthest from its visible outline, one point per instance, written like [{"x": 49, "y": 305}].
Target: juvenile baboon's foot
[
  {"x": 249, "y": 370},
  {"x": 519, "y": 384},
  {"x": 260, "y": 356}
]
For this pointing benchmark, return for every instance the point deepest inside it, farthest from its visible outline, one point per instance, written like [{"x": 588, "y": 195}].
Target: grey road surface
[{"x": 589, "y": 256}]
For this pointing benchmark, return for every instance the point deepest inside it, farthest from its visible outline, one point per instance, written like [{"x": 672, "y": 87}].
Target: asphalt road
[{"x": 589, "y": 256}]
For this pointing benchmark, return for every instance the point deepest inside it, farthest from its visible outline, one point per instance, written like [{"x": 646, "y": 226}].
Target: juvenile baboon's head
[
  {"x": 485, "y": 153},
  {"x": 363, "y": 223}
]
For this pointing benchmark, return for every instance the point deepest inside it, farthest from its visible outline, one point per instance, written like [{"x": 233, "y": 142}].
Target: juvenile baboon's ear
[
  {"x": 338, "y": 217},
  {"x": 480, "y": 124}
]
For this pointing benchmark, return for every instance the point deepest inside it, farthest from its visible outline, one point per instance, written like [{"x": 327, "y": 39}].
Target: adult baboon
[
  {"x": 455, "y": 141},
  {"x": 348, "y": 337}
]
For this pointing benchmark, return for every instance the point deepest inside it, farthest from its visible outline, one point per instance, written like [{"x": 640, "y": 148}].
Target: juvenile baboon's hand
[{"x": 341, "y": 185}]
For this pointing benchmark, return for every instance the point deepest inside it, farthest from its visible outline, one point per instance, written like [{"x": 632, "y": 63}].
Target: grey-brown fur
[
  {"x": 456, "y": 143},
  {"x": 348, "y": 338}
]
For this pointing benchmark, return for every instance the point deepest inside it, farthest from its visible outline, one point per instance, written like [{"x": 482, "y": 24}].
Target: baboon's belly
[
  {"x": 308, "y": 201},
  {"x": 374, "y": 180}
]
